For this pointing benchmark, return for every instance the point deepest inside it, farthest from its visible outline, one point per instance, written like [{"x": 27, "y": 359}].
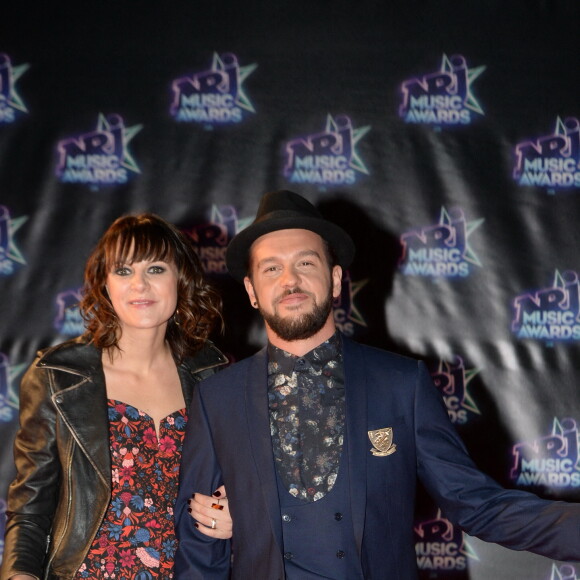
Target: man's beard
[{"x": 303, "y": 326}]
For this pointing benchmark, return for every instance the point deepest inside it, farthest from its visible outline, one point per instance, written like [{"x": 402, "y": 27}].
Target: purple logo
[
  {"x": 550, "y": 461},
  {"x": 550, "y": 314},
  {"x": 440, "y": 250},
  {"x": 215, "y": 96},
  {"x": 552, "y": 161},
  {"x": 100, "y": 157},
  {"x": 563, "y": 572},
  {"x": 346, "y": 315},
  {"x": 441, "y": 546},
  {"x": 10, "y": 255},
  {"x": 211, "y": 239},
  {"x": 8, "y": 394},
  {"x": 68, "y": 319},
  {"x": 326, "y": 158},
  {"x": 11, "y": 105},
  {"x": 443, "y": 97},
  {"x": 452, "y": 380}
]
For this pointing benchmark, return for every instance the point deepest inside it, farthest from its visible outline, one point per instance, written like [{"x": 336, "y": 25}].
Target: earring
[
  {"x": 255, "y": 304},
  {"x": 175, "y": 317}
]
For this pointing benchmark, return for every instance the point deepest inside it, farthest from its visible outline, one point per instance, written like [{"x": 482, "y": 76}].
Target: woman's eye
[
  {"x": 122, "y": 271},
  {"x": 157, "y": 269}
]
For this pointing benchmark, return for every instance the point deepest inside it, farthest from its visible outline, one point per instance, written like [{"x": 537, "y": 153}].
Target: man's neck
[{"x": 301, "y": 347}]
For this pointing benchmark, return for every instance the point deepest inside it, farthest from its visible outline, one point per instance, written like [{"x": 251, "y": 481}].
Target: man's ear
[
  {"x": 336, "y": 281},
  {"x": 250, "y": 290}
]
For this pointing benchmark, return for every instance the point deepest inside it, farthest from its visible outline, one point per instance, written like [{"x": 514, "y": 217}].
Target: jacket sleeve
[
  {"x": 32, "y": 496},
  {"x": 513, "y": 518},
  {"x": 198, "y": 557}
]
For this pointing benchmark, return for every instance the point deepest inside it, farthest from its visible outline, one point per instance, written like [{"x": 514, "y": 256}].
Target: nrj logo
[
  {"x": 98, "y": 157},
  {"x": 552, "y": 313},
  {"x": 8, "y": 394},
  {"x": 563, "y": 572},
  {"x": 552, "y": 161},
  {"x": 440, "y": 250},
  {"x": 215, "y": 96},
  {"x": 441, "y": 546},
  {"x": 550, "y": 461},
  {"x": 444, "y": 97},
  {"x": 10, "y": 255},
  {"x": 211, "y": 239},
  {"x": 326, "y": 158},
  {"x": 452, "y": 380},
  {"x": 346, "y": 315},
  {"x": 68, "y": 319},
  {"x": 11, "y": 104}
]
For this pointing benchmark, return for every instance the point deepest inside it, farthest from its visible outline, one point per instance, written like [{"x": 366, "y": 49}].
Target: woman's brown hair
[{"x": 146, "y": 236}]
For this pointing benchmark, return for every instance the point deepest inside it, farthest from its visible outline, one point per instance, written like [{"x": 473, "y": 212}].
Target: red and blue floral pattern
[{"x": 136, "y": 539}]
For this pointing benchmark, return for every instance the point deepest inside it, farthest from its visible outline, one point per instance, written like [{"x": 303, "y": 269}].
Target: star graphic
[
  {"x": 357, "y": 134},
  {"x": 14, "y": 99},
  {"x": 470, "y": 101},
  {"x": 128, "y": 133},
  {"x": 12, "y": 252},
  {"x": 243, "y": 73},
  {"x": 469, "y": 255}
]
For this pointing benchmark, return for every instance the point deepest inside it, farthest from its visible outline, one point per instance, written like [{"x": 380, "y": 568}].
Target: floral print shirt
[
  {"x": 136, "y": 539},
  {"x": 307, "y": 412}
]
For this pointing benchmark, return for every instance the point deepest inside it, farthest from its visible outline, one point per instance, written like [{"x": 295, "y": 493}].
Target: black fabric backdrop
[{"x": 442, "y": 135}]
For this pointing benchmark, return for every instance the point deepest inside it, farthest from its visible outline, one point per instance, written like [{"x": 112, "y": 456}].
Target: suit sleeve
[
  {"x": 198, "y": 556},
  {"x": 513, "y": 518}
]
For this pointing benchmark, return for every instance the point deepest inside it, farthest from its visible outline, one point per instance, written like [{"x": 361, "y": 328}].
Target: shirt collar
[{"x": 281, "y": 361}]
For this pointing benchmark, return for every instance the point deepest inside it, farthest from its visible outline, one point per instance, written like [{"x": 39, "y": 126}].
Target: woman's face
[{"x": 143, "y": 294}]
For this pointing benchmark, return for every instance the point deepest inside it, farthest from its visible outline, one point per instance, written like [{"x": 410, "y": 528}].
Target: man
[{"x": 319, "y": 440}]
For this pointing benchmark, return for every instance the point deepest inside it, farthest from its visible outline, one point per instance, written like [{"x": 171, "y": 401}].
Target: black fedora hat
[{"x": 284, "y": 210}]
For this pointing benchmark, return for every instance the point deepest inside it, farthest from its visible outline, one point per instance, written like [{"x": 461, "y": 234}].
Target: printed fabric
[
  {"x": 307, "y": 412},
  {"x": 136, "y": 539}
]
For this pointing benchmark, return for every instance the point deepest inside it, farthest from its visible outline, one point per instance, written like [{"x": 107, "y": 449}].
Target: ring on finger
[{"x": 213, "y": 524}]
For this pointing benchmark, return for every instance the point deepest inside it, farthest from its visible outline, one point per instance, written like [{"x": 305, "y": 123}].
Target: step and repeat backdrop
[{"x": 443, "y": 136}]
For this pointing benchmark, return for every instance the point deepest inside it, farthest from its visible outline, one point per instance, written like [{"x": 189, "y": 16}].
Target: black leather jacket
[{"x": 63, "y": 484}]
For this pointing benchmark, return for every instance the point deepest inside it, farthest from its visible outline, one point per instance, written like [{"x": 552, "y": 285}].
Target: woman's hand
[{"x": 212, "y": 514}]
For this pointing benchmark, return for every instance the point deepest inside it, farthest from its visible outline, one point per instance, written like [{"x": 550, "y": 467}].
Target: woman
[{"x": 102, "y": 417}]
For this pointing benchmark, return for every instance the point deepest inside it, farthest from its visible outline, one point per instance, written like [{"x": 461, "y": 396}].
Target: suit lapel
[
  {"x": 356, "y": 422},
  {"x": 256, "y": 395}
]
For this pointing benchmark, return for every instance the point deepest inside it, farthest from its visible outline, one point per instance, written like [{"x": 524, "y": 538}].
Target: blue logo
[
  {"x": 452, "y": 380},
  {"x": 326, "y": 158},
  {"x": 10, "y": 255},
  {"x": 100, "y": 157},
  {"x": 346, "y": 315},
  {"x": 551, "y": 161},
  {"x": 215, "y": 96},
  {"x": 444, "y": 97},
  {"x": 68, "y": 319},
  {"x": 441, "y": 250},
  {"x": 552, "y": 313},
  {"x": 439, "y": 545},
  {"x": 211, "y": 239},
  {"x": 550, "y": 461},
  {"x": 11, "y": 105},
  {"x": 8, "y": 394}
]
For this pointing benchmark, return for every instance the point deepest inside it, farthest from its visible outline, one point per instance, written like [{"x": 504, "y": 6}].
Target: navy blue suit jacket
[{"x": 228, "y": 441}]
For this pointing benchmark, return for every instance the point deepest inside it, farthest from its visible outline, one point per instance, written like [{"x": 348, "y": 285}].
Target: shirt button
[
  {"x": 340, "y": 554},
  {"x": 288, "y": 555},
  {"x": 286, "y": 518},
  {"x": 338, "y": 516}
]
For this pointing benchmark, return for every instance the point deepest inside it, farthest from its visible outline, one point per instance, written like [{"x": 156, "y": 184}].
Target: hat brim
[{"x": 237, "y": 254}]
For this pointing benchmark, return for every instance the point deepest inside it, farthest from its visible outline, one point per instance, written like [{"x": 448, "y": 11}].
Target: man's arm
[
  {"x": 513, "y": 518},
  {"x": 198, "y": 557}
]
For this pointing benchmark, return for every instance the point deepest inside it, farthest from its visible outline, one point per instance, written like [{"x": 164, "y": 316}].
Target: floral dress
[{"x": 136, "y": 539}]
